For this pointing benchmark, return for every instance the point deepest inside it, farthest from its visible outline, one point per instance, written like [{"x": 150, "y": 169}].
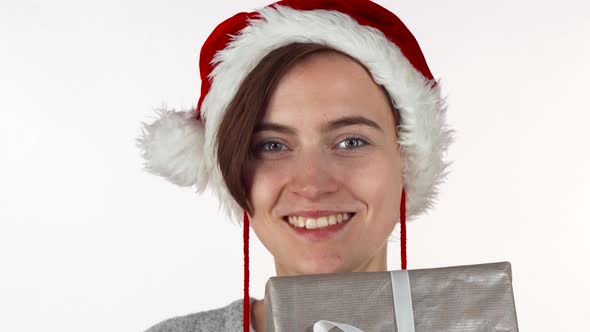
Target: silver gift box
[{"x": 460, "y": 298}]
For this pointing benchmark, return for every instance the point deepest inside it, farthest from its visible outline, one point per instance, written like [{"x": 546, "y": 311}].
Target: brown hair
[{"x": 247, "y": 110}]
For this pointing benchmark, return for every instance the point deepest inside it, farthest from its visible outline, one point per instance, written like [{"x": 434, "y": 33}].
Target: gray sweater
[{"x": 226, "y": 319}]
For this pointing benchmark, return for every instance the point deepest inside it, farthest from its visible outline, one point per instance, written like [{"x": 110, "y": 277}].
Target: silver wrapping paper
[{"x": 460, "y": 298}]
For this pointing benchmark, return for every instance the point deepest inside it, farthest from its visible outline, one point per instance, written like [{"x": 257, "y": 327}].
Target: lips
[
  {"x": 309, "y": 222},
  {"x": 322, "y": 233}
]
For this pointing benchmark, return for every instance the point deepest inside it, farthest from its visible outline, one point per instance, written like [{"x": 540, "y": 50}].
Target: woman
[{"x": 316, "y": 120}]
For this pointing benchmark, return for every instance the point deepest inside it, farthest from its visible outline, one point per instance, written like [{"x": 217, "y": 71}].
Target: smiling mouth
[{"x": 318, "y": 223}]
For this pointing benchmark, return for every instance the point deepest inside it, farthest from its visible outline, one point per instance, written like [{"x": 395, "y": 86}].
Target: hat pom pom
[{"x": 172, "y": 147}]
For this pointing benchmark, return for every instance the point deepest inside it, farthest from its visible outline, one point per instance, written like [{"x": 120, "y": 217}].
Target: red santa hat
[{"x": 180, "y": 146}]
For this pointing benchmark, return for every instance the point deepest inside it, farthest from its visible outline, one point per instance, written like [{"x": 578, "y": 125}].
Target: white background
[{"x": 89, "y": 242}]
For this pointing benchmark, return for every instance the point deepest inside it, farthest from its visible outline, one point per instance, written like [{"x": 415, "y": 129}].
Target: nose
[{"x": 312, "y": 176}]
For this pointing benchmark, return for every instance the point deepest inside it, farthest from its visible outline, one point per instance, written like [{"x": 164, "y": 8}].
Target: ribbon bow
[{"x": 326, "y": 326}]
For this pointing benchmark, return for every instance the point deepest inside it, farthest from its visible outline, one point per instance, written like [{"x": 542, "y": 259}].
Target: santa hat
[{"x": 180, "y": 146}]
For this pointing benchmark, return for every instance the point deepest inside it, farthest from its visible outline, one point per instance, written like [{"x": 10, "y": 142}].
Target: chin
[{"x": 323, "y": 267}]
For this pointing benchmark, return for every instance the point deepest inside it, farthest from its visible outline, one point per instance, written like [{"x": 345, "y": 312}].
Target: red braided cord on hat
[
  {"x": 246, "y": 274},
  {"x": 403, "y": 229}
]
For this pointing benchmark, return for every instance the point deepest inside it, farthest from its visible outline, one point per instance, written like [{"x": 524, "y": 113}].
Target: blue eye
[
  {"x": 270, "y": 146},
  {"x": 351, "y": 143}
]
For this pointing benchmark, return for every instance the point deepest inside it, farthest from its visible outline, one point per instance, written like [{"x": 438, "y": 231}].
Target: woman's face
[{"x": 326, "y": 151}]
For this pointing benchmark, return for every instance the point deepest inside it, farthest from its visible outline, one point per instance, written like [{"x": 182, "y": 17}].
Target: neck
[{"x": 258, "y": 316}]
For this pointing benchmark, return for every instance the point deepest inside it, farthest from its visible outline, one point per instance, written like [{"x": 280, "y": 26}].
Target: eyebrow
[{"x": 332, "y": 125}]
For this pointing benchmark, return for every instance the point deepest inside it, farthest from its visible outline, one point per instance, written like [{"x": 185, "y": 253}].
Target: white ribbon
[{"x": 402, "y": 300}]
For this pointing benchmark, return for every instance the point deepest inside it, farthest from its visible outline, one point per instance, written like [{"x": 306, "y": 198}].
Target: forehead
[{"x": 323, "y": 87}]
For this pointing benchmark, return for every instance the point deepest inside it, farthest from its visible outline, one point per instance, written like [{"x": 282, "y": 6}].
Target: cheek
[
  {"x": 374, "y": 174},
  {"x": 378, "y": 185},
  {"x": 265, "y": 185}
]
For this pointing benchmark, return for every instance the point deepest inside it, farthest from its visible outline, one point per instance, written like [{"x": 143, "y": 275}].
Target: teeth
[
  {"x": 332, "y": 220},
  {"x": 300, "y": 222},
  {"x": 322, "y": 222},
  {"x": 313, "y": 223}
]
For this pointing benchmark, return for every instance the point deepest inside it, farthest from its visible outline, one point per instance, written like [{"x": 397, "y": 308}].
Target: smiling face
[{"x": 326, "y": 153}]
